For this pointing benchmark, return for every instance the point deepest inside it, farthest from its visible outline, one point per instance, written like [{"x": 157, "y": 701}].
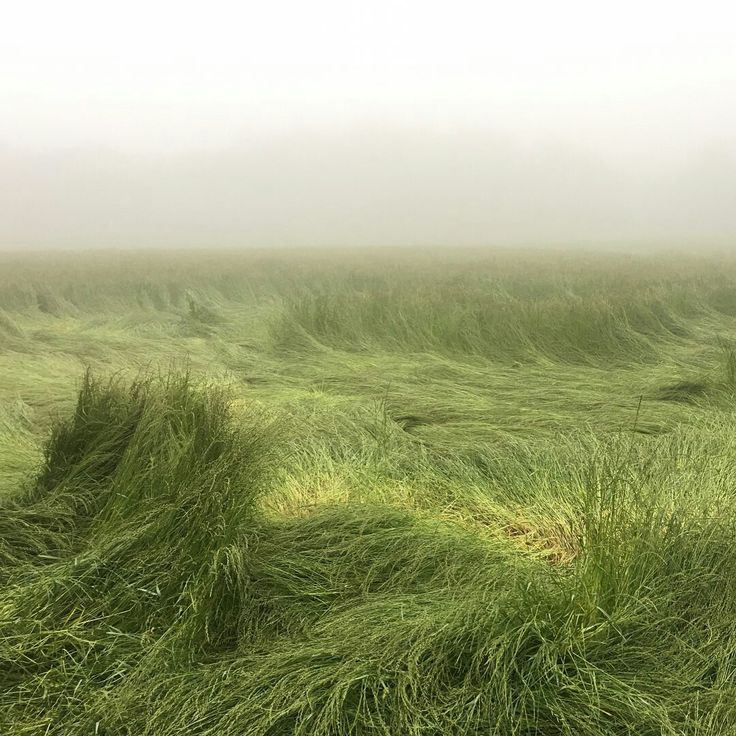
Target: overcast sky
[{"x": 338, "y": 122}]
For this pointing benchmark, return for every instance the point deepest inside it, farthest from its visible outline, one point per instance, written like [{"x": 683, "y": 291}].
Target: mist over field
[
  {"x": 365, "y": 186},
  {"x": 353, "y": 124}
]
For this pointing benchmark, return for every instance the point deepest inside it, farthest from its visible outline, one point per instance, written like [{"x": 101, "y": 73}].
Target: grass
[{"x": 381, "y": 492}]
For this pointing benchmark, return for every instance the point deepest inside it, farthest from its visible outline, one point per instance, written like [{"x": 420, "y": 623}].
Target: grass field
[{"x": 380, "y": 492}]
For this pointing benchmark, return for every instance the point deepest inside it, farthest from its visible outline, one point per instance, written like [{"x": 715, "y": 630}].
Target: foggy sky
[{"x": 345, "y": 123}]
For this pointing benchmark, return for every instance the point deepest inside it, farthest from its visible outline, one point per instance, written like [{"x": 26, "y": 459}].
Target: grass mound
[
  {"x": 485, "y": 317},
  {"x": 146, "y": 591},
  {"x": 132, "y": 538}
]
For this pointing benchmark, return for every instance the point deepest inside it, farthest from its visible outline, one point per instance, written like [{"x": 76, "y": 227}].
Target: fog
[{"x": 344, "y": 123}]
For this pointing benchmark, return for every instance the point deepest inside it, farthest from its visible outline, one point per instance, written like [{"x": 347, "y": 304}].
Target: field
[{"x": 378, "y": 492}]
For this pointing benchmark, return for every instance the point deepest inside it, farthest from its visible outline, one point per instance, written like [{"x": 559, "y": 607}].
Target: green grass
[{"x": 367, "y": 492}]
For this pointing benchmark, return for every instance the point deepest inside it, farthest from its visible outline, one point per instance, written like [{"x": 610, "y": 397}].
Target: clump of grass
[
  {"x": 139, "y": 520},
  {"x": 723, "y": 298},
  {"x": 8, "y": 327},
  {"x": 201, "y": 312},
  {"x": 200, "y": 320},
  {"x": 12, "y": 336},
  {"x": 729, "y": 366},
  {"x": 683, "y": 391}
]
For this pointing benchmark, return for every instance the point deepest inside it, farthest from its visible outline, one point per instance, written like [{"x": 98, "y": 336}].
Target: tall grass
[
  {"x": 394, "y": 493},
  {"x": 437, "y": 317},
  {"x": 146, "y": 591}
]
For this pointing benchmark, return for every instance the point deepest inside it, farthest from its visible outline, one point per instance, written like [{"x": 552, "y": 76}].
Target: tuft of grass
[
  {"x": 686, "y": 391},
  {"x": 729, "y": 366}
]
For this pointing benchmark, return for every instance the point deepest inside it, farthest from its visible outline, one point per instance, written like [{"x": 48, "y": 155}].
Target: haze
[{"x": 345, "y": 123}]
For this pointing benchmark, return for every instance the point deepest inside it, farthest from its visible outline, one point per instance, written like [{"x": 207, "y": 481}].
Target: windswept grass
[
  {"x": 454, "y": 319},
  {"x": 389, "y": 494},
  {"x": 146, "y": 591}
]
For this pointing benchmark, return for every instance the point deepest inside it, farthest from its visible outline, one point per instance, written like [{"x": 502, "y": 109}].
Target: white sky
[
  {"x": 648, "y": 85},
  {"x": 157, "y": 74}
]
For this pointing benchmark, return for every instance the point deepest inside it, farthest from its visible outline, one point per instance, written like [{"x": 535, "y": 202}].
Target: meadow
[{"x": 377, "y": 492}]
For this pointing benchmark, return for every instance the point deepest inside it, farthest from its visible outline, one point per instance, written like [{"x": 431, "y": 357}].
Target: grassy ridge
[{"x": 391, "y": 493}]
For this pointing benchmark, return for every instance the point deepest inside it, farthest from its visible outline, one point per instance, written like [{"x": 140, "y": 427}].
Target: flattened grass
[
  {"x": 145, "y": 590},
  {"x": 474, "y": 493}
]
